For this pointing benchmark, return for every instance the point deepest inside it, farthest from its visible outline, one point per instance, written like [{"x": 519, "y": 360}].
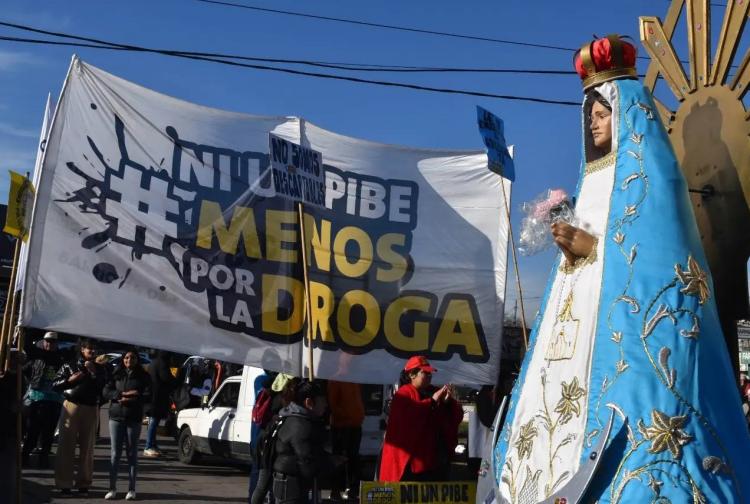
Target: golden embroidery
[
  {"x": 694, "y": 279},
  {"x": 509, "y": 478},
  {"x": 601, "y": 163},
  {"x": 526, "y": 439},
  {"x": 655, "y": 484},
  {"x": 565, "y": 333},
  {"x": 530, "y": 488},
  {"x": 669, "y": 374},
  {"x": 581, "y": 261},
  {"x": 568, "y": 404},
  {"x": 715, "y": 465},
  {"x": 665, "y": 433}
]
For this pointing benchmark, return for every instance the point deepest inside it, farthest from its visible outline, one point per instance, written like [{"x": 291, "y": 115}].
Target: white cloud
[
  {"x": 9, "y": 129},
  {"x": 11, "y": 60},
  {"x": 17, "y": 157}
]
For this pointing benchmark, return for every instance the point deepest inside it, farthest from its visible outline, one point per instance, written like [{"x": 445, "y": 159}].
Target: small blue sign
[{"x": 492, "y": 131}]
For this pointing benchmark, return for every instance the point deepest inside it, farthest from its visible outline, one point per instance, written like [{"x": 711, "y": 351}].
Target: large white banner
[{"x": 156, "y": 224}]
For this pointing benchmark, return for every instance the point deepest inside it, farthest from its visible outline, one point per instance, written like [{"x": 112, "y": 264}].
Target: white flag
[{"x": 46, "y": 123}]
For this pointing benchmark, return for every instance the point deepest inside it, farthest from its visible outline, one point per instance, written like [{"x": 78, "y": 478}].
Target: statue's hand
[{"x": 572, "y": 241}]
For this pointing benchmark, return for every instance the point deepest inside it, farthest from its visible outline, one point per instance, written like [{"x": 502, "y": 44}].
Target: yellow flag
[{"x": 20, "y": 202}]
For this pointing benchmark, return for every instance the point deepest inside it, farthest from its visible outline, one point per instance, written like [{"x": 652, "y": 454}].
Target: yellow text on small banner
[
  {"x": 404, "y": 492},
  {"x": 20, "y": 201}
]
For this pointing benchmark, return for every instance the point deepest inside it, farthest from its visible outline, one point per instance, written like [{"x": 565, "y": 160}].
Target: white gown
[{"x": 547, "y": 432}]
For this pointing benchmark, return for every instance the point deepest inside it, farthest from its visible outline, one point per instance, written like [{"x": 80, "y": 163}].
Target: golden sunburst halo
[{"x": 710, "y": 131}]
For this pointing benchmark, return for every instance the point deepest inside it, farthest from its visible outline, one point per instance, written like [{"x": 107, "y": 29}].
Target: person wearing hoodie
[
  {"x": 41, "y": 403},
  {"x": 81, "y": 382},
  {"x": 299, "y": 453},
  {"x": 127, "y": 390},
  {"x": 162, "y": 385}
]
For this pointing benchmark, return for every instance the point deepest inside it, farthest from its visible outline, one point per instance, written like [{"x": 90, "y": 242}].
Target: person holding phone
[
  {"x": 81, "y": 382},
  {"x": 422, "y": 430}
]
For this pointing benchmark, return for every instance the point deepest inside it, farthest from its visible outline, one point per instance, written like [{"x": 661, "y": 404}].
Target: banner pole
[
  {"x": 515, "y": 264},
  {"x": 19, "y": 429},
  {"x": 5, "y": 332},
  {"x": 308, "y": 304}
]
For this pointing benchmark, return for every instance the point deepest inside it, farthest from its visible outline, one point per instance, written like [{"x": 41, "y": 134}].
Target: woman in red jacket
[{"x": 422, "y": 430}]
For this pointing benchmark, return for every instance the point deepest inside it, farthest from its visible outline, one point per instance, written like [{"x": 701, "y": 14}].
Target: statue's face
[{"x": 601, "y": 126}]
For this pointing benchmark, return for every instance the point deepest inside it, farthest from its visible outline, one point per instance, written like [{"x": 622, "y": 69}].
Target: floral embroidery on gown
[{"x": 635, "y": 332}]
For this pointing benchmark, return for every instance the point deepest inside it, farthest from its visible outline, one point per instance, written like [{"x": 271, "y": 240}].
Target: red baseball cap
[{"x": 421, "y": 362}]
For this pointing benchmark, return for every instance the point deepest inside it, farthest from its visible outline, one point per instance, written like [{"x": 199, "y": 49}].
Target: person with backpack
[
  {"x": 281, "y": 394},
  {"x": 298, "y": 456},
  {"x": 261, "y": 417},
  {"x": 162, "y": 385}
]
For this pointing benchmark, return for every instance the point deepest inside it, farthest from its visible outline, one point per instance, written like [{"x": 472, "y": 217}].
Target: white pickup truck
[{"x": 222, "y": 427}]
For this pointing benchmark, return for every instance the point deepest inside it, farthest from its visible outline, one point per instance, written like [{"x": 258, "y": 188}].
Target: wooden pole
[
  {"x": 19, "y": 430},
  {"x": 5, "y": 332},
  {"x": 308, "y": 303},
  {"x": 515, "y": 264}
]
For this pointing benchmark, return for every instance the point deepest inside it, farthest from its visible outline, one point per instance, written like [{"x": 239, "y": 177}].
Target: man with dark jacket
[
  {"x": 162, "y": 385},
  {"x": 41, "y": 402},
  {"x": 299, "y": 455},
  {"x": 9, "y": 402},
  {"x": 81, "y": 382}
]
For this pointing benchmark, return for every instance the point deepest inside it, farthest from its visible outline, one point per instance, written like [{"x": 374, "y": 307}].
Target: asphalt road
[
  {"x": 159, "y": 480},
  {"x": 164, "y": 479}
]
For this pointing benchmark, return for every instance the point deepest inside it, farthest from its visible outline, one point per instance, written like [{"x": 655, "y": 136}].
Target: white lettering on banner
[
  {"x": 159, "y": 229},
  {"x": 373, "y": 197}
]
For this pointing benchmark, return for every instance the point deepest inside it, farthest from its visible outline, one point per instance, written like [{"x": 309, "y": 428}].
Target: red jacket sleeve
[{"x": 407, "y": 419}]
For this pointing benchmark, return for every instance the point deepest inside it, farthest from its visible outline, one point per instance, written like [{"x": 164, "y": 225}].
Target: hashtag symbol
[{"x": 143, "y": 207}]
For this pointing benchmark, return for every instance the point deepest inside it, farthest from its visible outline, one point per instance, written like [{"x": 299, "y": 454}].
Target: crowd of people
[
  {"x": 294, "y": 421},
  {"x": 63, "y": 391}
]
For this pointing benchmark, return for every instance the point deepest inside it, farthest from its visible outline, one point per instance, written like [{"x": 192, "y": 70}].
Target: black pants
[
  {"x": 262, "y": 487},
  {"x": 290, "y": 489},
  {"x": 41, "y": 420},
  {"x": 345, "y": 441}
]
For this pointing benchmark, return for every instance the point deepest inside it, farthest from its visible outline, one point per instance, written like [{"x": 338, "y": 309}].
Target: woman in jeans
[{"x": 128, "y": 389}]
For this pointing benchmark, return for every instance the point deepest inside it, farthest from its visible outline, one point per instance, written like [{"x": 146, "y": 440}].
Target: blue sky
[{"x": 547, "y": 137}]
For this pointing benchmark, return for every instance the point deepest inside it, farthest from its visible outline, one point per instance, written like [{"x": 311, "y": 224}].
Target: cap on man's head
[
  {"x": 419, "y": 362},
  {"x": 50, "y": 335}
]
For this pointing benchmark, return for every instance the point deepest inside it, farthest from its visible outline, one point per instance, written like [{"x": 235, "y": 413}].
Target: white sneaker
[
  {"x": 130, "y": 495},
  {"x": 151, "y": 452},
  {"x": 110, "y": 495}
]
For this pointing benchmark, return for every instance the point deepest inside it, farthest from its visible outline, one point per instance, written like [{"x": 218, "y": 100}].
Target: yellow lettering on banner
[
  {"x": 420, "y": 339},
  {"x": 272, "y": 286},
  {"x": 360, "y": 266},
  {"x": 242, "y": 225},
  {"x": 319, "y": 242},
  {"x": 372, "y": 318},
  {"x": 277, "y": 236},
  {"x": 323, "y": 304},
  {"x": 458, "y": 313},
  {"x": 386, "y": 253}
]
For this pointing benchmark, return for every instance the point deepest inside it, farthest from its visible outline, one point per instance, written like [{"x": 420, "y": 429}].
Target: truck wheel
[{"x": 186, "y": 451}]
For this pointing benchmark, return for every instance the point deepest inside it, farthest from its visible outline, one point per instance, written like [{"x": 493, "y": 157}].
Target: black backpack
[{"x": 266, "y": 447}]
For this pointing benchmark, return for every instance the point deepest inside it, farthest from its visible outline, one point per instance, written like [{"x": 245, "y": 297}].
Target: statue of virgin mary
[{"x": 628, "y": 327}]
